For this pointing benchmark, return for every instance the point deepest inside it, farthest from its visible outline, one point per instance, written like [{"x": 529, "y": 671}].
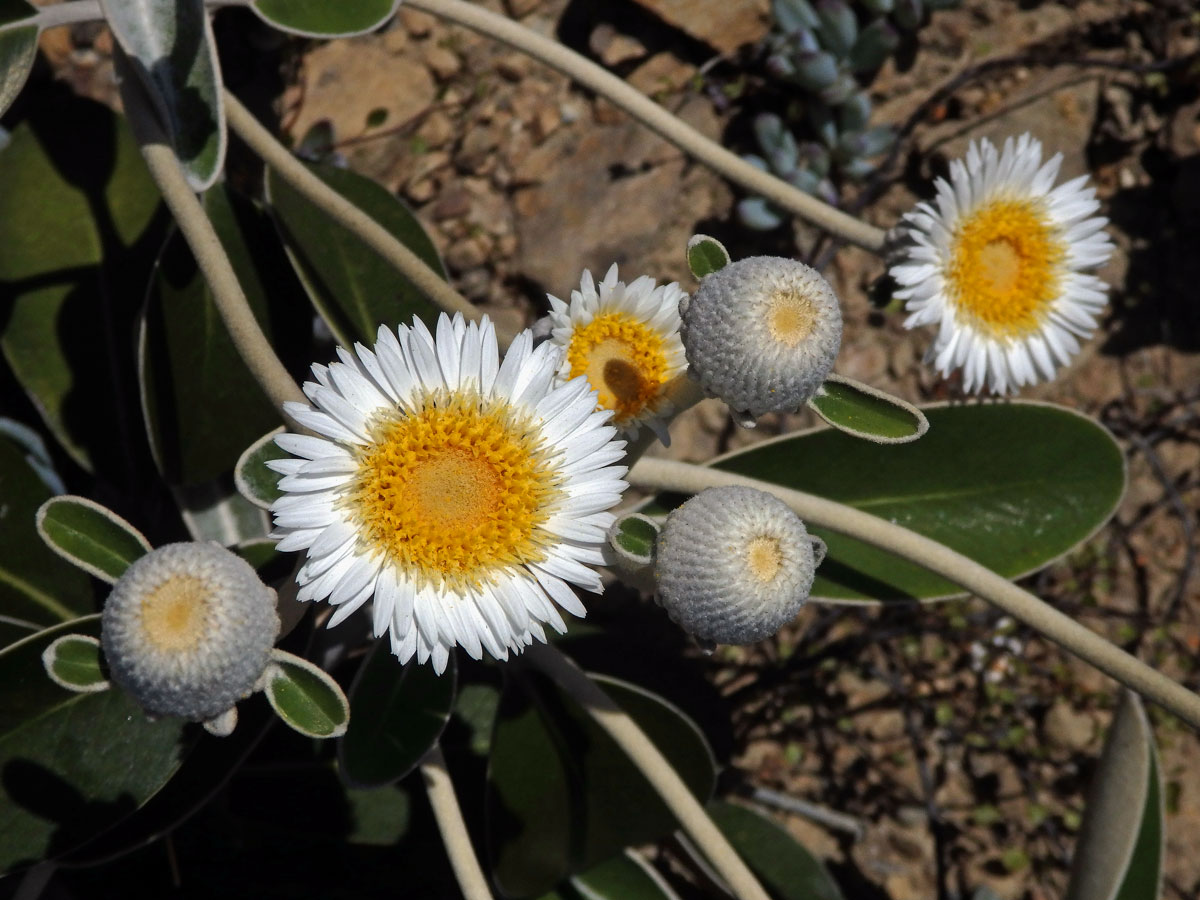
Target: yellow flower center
[
  {"x": 764, "y": 557},
  {"x": 624, "y": 360},
  {"x": 791, "y": 317},
  {"x": 455, "y": 491},
  {"x": 1004, "y": 267},
  {"x": 174, "y": 613}
]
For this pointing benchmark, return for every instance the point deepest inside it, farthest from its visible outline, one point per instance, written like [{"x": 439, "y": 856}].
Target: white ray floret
[
  {"x": 998, "y": 263},
  {"x": 625, "y": 339},
  {"x": 463, "y": 495}
]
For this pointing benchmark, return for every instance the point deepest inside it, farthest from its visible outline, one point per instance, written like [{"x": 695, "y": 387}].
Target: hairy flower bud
[
  {"x": 762, "y": 334},
  {"x": 187, "y": 630},
  {"x": 733, "y": 565}
]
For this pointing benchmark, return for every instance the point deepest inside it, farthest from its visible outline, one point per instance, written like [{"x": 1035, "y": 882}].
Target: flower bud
[
  {"x": 733, "y": 565},
  {"x": 187, "y": 630},
  {"x": 762, "y": 334}
]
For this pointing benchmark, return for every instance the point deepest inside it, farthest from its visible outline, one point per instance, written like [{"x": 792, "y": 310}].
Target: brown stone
[
  {"x": 443, "y": 62},
  {"x": 722, "y": 25}
]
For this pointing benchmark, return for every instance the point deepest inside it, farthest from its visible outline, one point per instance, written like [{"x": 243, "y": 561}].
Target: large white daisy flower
[
  {"x": 464, "y": 494},
  {"x": 997, "y": 263},
  {"x": 625, "y": 339}
]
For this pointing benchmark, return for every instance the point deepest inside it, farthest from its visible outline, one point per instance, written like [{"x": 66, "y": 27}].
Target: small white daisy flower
[
  {"x": 762, "y": 334},
  {"x": 734, "y": 565},
  {"x": 187, "y": 630},
  {"x": 997, "y": 262},
  {"x": 625, "y": 339},
  {"x": 463, "y": 494}
]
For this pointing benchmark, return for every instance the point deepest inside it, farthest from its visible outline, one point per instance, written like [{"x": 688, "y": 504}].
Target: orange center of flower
[
  {"x": 174, "y": 613},
  {"x": 1004, "y": 267},
  {"x": 624, "y": 360},
  {"x": 456, "y": 491}
]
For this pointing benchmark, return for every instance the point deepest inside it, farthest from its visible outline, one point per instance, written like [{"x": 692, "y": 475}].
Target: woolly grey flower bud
[
  {"x": 187, "y": 630},
  {"x": 762, "y": 334},
  {"x": 734, "y": 565}
]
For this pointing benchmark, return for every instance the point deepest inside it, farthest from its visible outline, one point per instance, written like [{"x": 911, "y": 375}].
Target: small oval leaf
[
  {"x": 305, "y": 696},
  {"x": 319, "y": 19},
  {"x": 633, "y": 538},
  {"x": 73, "y": 662},
  {"x": 865, "y": 412},
  {"x": 353, "y": 288},
  {"x": 785, "y": 867},
  {"x": 1119, "y": 853},
  {"x": 18, "y": 49},
  {"x": 254, "y": 480},
  {"x": 90, "y": 536},
  {"x": 399, "y": 713},
  {"x": 706, "y": 255},
  {"x": 170, "y": 48}
]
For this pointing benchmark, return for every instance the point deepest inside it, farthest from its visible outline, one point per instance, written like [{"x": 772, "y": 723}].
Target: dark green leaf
[
  {"x": 321, "y": 18},
  {"x": 92, "y": 537},
  {"x": 74, "y": 764},
  {"x": 254, "y": 480},
  {"x": 624, "y": 877},
  {"x": 706, "y": 255},
  {"x": 214, "y": 511},
  {"x": 18, "y": 48},
  {"x": 36, "y": 586},
  {"x": 203, "y": 407},
  {"x": 865, "y": 412},
  {"x": 1012, "y": 485},
  {"x": 15, "y": 10},
  {"x": 353, "y": 288},
  {"x": 1119, "y": 853},
  {"x": 562, "y": 796},
  {"x": 306, "y": 697},
  {"x": 381, "y": 815},
  {"x": 73, "y": 662},
  {"x": 399, "y": 712},
  {"x": 170, "y": 48},
  {"x": 634, "y": 537},
  {"x": 785, "y": 867},
  {"x": 74, "y": 219}
]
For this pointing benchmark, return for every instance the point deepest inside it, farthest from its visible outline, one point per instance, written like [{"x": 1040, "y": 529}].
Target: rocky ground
[{"x": 963, "y": 742}]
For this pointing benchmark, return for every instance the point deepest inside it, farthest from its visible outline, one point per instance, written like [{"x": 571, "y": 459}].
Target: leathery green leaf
[
  {"x": 73, "y": 662},
  {"x": 785, "y": 867},
  {"x": 322, "y": 19},
  {"x": 399, "y": 713},
  {"x": 1119, "y": 854},
  {"x": 353, "y": 288},
  {"x": 561, "y": 795},
  {"x": 706, "y": 255},
  {"x": 1011, "y": 485},
  {"x": 75, "y": 764},
  {"x": 170, "y": 48},
  {"x": 76, "y": 235},
  {"x": 91, "y": 536},
  {"x": 254, "y": 480},
  {"x": 36, "y": 587},
  {"x": 18, "y": 48},
  {"x": 627, "y": 876}
]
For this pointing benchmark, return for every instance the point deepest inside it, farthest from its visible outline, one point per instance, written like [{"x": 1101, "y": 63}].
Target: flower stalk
[
  {"x": 661, "y": 474},
  {"x": 453, "y": 829}
]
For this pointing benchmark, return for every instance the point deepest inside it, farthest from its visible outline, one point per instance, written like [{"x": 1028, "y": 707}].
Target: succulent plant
[{"x": 826, "y": 47}]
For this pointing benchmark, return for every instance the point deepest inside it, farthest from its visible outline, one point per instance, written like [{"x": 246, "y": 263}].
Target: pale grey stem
[
  {"x": 453, "y": 829},
  {"x": 252, "y": 345},
  {"x": 660, "y": 474},
  {"x": 657, "y": 119},
  {"x": 832, "y": 819},
  {"x": 374, "y": 235},
  {"x": 661, "y": 775}
]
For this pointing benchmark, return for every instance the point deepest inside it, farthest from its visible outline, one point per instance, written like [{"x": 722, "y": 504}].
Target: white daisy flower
[
  {"x": 997, "y": 263},
  {"x": 625, "y": 339},
  {"x": 463, "y": 494}
]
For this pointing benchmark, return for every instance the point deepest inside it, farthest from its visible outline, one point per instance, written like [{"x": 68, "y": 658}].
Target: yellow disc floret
[
  {"x": 625, "y": 361},
  {"x": 454, "y": 491},
  {"x": 174, "y": 614},
  {"x": 1004, "y": 267}
]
